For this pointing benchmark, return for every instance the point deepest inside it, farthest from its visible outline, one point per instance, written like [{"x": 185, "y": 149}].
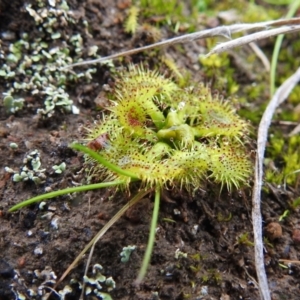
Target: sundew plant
[
  {"x": 169, "y": 136},
  {"x": 162, "y": 136}
]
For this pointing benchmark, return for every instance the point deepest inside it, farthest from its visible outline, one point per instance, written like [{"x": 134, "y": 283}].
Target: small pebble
[
  {"x": 47, "y": 216},
  {"x": 52, "y": 208},
  {"x": 38, "y": 251},
  {"x": 48, "y": 189},
  {"x": 273, "y": 231},
  {"x": 296, "y": 236},
  {"x": 176, "y": 212},
  {"x": 225, "y": 297},
  {"x": 195, "y": 229},
  {"x": 8, "y": 35},
  {"x": 42, "y": 205},
  {"x": 54, "y": 223}
]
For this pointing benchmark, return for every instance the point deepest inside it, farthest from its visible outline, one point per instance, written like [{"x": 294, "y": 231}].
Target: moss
[
  {"x": 131, "y": 23},
  {"x": 294, "y": 99},
  {"x": 252, "y": 113},
  {"x": 243, "y": 239},
  {"x": 217, "y": 68},
  {"x": 284, "y": 160},
  {"x": 216, "y": 275},
  {"x": 171, "y": 10},
  {"x": 289, "y": 57},
  {"x": 177, "y": 15},
  {"x": 247, "y": 11},
  {"x": 222, "y": 218}
]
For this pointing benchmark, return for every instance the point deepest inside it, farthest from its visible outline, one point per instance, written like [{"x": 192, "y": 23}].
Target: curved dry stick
[
  {"x": 280, "y": 95},
  {"x": 253, "y": 37}
]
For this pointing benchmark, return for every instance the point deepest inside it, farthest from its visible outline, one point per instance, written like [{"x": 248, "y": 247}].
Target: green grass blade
[
  {"x": 278, "y": 2},
  {"x": 103, "y": 161},
  {"x": 151, "y": 239},
  {"x": 82, "y": 188},
  {"x": 292, "y": 10}
]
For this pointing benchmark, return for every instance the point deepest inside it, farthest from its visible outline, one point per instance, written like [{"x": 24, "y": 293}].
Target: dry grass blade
[
  {"x": 295, "y": 131},
  {"x": 225, "y": 31},
  {"x": 287, "y": 261},
  {"x": 253, "y": 38},
  {"x": 281, "y": 94},
  {"x": 260, "y": 54}
]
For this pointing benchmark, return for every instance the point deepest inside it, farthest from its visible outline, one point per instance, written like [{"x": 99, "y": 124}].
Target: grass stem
[
  {"x": 294, "y": 5},
  {"x": 82, "y": 188},
  {"x": 151, "y": 239}
]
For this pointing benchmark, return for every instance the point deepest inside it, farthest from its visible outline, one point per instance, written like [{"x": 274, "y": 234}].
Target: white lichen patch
[
  {"x": 35, "y": 66},
  {"x": 54, "y": 223},
  {"x": 98, "y": 282},
  {"x": 179, "y": 254},
  {"x": 31, "y": 170},
  {"x": 38, "y": 251},
  {"x": 58, "y": 169},
  {"x": 126, "y": 252},
  {"x": 66, "y": 290},
  {"x": 97, "y": 285}
]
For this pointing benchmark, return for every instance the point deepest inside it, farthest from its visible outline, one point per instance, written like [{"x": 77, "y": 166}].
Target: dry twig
[
  {"x": 289, "y": 25},
  {"x": 249, "y": 38},
  {"x": 279, "y": 97}
]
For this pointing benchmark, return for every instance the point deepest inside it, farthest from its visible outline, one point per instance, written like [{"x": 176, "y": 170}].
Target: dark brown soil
[{"x": 215, "y": 231}]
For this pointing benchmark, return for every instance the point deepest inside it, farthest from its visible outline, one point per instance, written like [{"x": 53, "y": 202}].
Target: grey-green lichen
[
  {"x": 97, "y": 282},
  {"x": 126, "y": 252},
  {"x": 31, "y": 169},
  {"x": 33, "y": 67}
]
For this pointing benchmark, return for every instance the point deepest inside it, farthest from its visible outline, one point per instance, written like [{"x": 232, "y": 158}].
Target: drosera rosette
[
  {"x": 162, "y": 136},
  {"x": 169, "y": 136}
]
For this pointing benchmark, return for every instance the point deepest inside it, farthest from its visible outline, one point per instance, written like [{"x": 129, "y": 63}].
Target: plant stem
[
  {"x": 82, "y": 188},
  {"x": 151, "y": 239},
  {"x": 294, "y": 5}
]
